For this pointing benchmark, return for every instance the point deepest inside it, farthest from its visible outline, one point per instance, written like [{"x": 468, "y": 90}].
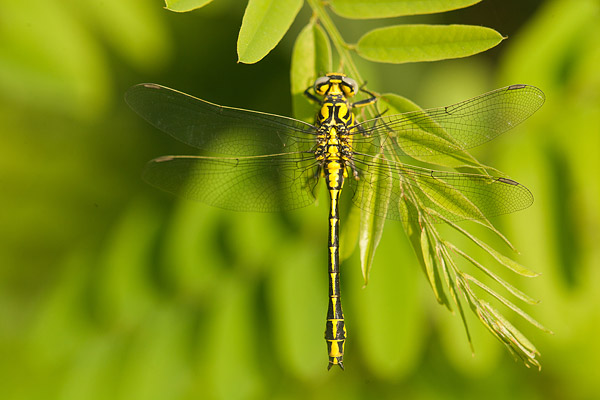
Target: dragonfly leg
[
  {"x": 311, "y": 96},
  {"x": 350, "y": 162},
  {"x": 370, "y": 100}
]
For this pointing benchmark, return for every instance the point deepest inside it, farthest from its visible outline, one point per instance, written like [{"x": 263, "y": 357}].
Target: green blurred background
[{"x": 110, "y": 289}]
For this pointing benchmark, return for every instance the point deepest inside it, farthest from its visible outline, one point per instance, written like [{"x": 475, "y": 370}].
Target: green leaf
[
  {"x": 418, "y": 230},
  {"x": 507, "y": 303},
  {"x": 501, "y": 258},
  {"x": 264, "y": 24},
  {"x": 412, "y": 228},
  {"x": 513, "y": 290},
  {"x": 430, "y": 266},
  {"x": 512, "y": 338},
  {"x": 185, "y": 5},
  {"x": 454, "y": 290},
  {"x": 371, "y": 223},
  {"x": 350, "y": 232},
  {"x": 311, "y": 57},
  {"x": 397, "y": 104},
  {"x": 499, "y": 326},
  {"x": 415, "y": 43},
  {"x": 365, "y": 9},
  {"x": 426, "y": 254}
]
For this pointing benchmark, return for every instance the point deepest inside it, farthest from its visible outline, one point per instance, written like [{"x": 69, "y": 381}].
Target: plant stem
[{"x": 336, "y": 38}]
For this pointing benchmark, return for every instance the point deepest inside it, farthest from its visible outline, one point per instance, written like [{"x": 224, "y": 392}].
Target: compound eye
[
  {"x": 349, "y": 86},
  {"x": 321, "y": 85}
]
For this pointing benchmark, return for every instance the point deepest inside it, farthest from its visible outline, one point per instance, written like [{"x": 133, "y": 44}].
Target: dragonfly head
[{"x": 335, "y": 83}]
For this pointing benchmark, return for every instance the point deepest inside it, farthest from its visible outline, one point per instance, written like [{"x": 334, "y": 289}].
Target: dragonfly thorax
[
  {"x": 335, "y": 110},
  {"x": 335, "y": 122},
  {"x": 334, "y": 151}
]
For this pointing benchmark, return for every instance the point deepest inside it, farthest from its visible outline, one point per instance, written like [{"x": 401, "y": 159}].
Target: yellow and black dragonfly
[{"x": 254, "y": 161}]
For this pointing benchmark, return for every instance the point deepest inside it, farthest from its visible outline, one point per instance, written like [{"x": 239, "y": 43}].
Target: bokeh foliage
[{"x": 111, "y": 290}]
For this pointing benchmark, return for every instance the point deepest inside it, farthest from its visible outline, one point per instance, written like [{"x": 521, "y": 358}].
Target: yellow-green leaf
[
  {"x": 513, "y": 290},
  {"x": 501, "y": 258},
  {"x": 349, "y": 233},
  {"x": 410, "y": 223},
  {"x": 414, "y": 43},
  {"x": 507, "y": 303},
  {"x": 264, "y": 24},
  {"x": 453, "y": 288},
  {"x": 365, "y": 9},
  {"x": 430, "y": 265},
  {"x": 185, "y": 5},
  {"x": 371, "y": 223},
  {"x": 311, "y": 56}
]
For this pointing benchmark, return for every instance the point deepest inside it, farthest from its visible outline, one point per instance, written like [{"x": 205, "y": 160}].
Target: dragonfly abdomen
[{"x": 335, "y": 328}]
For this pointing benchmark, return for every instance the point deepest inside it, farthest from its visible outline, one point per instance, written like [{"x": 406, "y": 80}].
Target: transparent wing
[
  {"x": 217, "y": 129},
  {"x": 454, "y": 128},
  {"x": 271, "y": 183},
  {"x": 454, "y": 195},
  {"x": 273, "y": 168}
]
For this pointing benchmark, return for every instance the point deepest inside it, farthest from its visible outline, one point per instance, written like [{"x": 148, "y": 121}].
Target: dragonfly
[{"x": 253, "y": 161}]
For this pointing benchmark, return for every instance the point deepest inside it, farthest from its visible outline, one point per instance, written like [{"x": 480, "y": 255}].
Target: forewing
[
  {"x": 447, "y": 130},
  {"x": 217, "y": 129}
]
